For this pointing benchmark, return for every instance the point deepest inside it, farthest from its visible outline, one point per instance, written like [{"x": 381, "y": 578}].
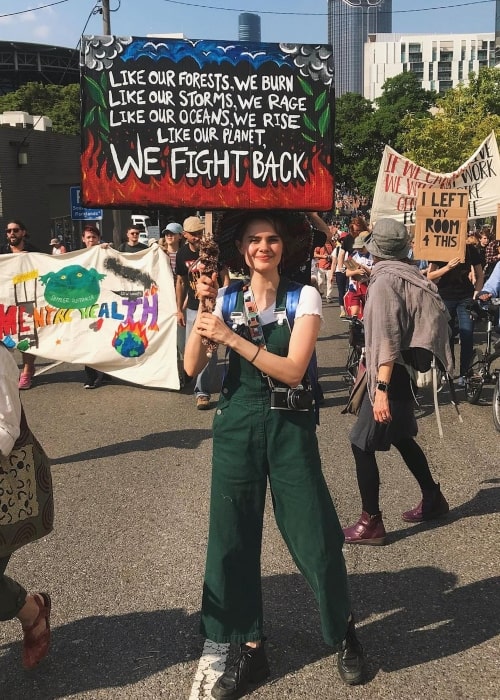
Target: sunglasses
[{"x": 13, "y": 230}]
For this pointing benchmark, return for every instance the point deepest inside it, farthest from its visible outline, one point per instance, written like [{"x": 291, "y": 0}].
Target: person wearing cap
[
  {"x": 403, "y": 313},
  {"x": 187, "y": 269},
  {"x": 358, "y": 225},
  {"x": 57, "y": 247},
  {"x": 358, "y": 269},
  {"x": 261, "y": 435},
  {"x": 132, "y": 244},
  {"x": 17, "y": 242},
  {"x": 170, "y": 242}
]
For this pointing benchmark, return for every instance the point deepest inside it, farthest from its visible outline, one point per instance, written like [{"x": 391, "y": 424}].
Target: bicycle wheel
[
  {"x": 474, "y": 380},
  {"x": 352, "y": 364},
  {"x": 473, "y": 388},
  {"x": 496, "y": 404}
]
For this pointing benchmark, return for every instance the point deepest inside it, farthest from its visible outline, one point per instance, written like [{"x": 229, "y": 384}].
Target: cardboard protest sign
[
  {"x": 441, "y": 224},
  {"x": 400, "y": 179},
  {"x": 211, "y": 124},
  {"x": 114, "y": 312}
]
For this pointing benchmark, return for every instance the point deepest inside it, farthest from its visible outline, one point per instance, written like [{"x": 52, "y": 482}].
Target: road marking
[{"x": 211, "y": 666}]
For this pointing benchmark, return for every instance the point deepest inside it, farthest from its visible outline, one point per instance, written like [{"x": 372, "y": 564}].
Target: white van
[{"x": 146, "y": 228}]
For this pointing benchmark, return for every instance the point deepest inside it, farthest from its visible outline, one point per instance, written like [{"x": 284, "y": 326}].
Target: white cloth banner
[
  {"x": 399, "y": 180},
  {"x": 115, "y": 312}
]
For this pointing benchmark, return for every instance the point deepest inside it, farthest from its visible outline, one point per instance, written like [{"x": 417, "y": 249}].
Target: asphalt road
[{"x": 124, "y": 565}]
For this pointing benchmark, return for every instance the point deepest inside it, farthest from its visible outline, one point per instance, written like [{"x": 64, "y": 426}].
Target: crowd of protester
[{"x": 377, "y": 280}]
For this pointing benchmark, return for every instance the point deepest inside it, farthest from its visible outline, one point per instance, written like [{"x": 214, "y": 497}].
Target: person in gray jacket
[{"x": 403, "y": 314}]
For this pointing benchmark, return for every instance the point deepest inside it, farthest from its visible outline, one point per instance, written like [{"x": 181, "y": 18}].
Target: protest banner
[
  {"x": 209, "y": 124},
  {"x": 441, "y": 224},
  {"x": 97, "y": 307},
  {"x": 400, "y": 179}
]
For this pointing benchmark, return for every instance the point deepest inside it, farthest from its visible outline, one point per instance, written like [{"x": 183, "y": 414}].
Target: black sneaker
[
  {"x": 250, "y": 666},
  {"x": 350, "y": 659}
]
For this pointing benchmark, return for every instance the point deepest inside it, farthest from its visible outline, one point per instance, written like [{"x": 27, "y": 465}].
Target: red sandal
[{"x": 36, "y": 648}]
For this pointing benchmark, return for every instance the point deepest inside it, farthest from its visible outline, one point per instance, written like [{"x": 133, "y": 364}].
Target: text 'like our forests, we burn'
[{"x": 223, "y": 124}]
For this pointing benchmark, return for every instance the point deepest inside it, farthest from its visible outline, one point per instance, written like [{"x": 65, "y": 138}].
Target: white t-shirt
[
  {"x": 309, "y": 304},
  {"x": 362, "y": 259}
]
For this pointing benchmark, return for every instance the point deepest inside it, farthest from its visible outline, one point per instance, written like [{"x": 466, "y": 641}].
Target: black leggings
[
  {"x": 341, "y": 280},
  {"x": 368, "y": 475}
]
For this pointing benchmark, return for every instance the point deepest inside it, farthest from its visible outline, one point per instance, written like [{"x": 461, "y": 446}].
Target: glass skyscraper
[
  {"x": 349, "y": 23},
  {"x": 249, "y": 27}
]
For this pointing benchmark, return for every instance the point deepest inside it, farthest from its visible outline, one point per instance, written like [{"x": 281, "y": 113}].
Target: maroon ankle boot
[
  {"x": 368, "y": 530},
  {"x": 433, "y": 505}
]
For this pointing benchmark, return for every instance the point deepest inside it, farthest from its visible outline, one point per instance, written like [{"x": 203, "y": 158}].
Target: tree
[
  {"x": 465, "y": 116},
  {"x": 61, "y": 103},
  {"x": 363, "y": 129},
  {"x": 401, "y": 96},
  {"x": 358, "y": 147}
]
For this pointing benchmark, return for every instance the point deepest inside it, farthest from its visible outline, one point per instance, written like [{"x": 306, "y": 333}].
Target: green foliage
[
  {"x": 465, "y": 116},
  {"x": 401, "y": 96},
  {"x": 363, "y": 129},
  {"x": 358, "y": 147},
  {"x": 61, "y": 103}
]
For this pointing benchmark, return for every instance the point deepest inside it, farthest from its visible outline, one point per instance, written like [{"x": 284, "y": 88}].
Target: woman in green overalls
[{"x": 259, "y": 435}]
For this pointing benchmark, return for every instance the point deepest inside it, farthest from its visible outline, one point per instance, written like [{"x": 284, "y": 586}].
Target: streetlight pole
[
  {"x": 106, "y": 30},
  {"x": 106, "y": 17}
]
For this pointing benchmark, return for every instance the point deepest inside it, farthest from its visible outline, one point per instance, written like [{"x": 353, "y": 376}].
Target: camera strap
[
  {"x": 252, "y": 321},
  {"x": 239, "y": 310}
]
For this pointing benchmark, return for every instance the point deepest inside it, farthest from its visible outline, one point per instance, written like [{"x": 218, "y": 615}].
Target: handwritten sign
[
  {"x": 441, "y": 224},
  {"x": 210, "y": 124},
  {"x": 400, "y": 180}
]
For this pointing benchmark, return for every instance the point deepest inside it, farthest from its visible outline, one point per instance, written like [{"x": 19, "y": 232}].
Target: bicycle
[
  {"x": 356, "y": 350},
  {"x": 481, "y": 372}
]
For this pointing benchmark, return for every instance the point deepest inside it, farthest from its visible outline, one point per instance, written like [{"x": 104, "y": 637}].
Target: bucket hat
[{"x": 389, "y": 240}]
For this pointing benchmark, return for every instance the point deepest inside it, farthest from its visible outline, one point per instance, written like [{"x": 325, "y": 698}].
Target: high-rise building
[
  {"x": 440, "y": 61},
  {"x": 249, "y": 26},
  {"x": 349, "y": 23},
  {"x": 497, "y": 33}
]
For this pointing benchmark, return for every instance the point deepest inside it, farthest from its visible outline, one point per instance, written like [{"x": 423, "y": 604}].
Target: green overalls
[{"x": 252, "y": 443}]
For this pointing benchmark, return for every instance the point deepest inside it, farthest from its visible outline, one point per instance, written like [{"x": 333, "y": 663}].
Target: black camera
[{"x": 297, "y": 399}]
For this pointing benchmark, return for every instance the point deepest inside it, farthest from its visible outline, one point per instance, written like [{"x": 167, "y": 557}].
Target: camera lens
[{"x": 299, "y": 399}]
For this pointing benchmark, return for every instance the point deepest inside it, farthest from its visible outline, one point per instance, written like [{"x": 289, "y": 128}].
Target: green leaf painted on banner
[
  {"x": 104, "y": 137},
  {"x": 103, "y": 119},
  {"x": 96, "y": 92},
  {"x": 89, "y": 117},
  {"x": 104, "y": 80},
  {"x": 306, "y": 137},
  {"x": 324, "y": 121},
  {"x": 320, "y": 101},
  {"x": 305, "y": 86},
  {"x": 309, "y": 123}
]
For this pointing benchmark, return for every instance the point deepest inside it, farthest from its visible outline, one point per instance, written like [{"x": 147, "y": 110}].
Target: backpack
[
  {"x": 426, "y": 371},
  {"x": 286, "y": 303}
]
